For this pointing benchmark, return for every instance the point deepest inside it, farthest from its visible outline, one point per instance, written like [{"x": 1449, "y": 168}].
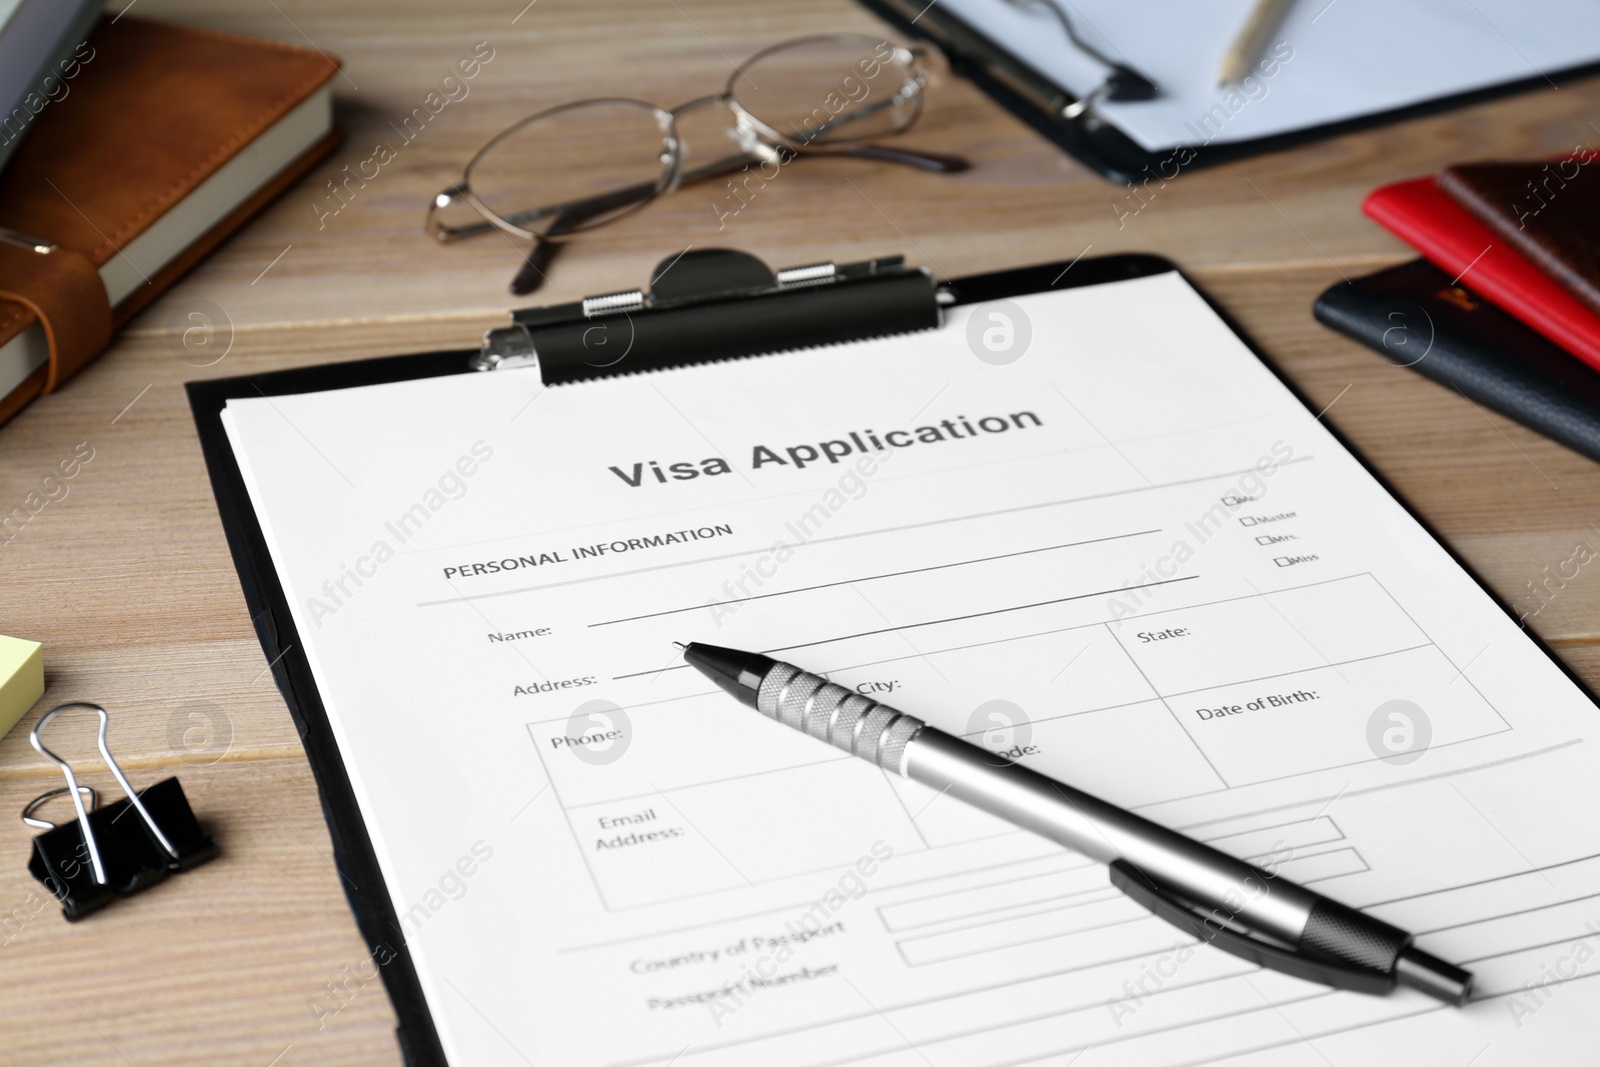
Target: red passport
[{"x": 1420, "y": 214}]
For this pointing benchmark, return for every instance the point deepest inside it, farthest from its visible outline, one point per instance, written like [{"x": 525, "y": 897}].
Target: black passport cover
[{"x": 1414, "y": 317}]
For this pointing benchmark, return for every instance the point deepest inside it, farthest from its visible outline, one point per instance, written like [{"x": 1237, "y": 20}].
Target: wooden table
[{"x": 128, "y": 581}]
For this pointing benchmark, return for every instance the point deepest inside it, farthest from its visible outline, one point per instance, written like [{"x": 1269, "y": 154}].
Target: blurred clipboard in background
[{"x": 1328, "y": 68}]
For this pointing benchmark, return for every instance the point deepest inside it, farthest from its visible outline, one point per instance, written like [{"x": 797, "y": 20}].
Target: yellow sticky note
[{"x": 21, "y": 679}]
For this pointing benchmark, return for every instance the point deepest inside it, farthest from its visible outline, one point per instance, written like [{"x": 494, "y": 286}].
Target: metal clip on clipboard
[{"x": 715, "y": 304}]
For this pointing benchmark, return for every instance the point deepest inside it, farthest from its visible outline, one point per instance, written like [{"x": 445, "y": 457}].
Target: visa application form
[{"x": 1127, "y": 557}]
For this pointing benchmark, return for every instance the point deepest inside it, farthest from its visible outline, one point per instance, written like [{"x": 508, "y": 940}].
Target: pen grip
[{"x": 1228, "y": 889}]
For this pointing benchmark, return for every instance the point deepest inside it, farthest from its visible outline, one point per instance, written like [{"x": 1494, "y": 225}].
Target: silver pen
[{"x": 1207, "y": 893}]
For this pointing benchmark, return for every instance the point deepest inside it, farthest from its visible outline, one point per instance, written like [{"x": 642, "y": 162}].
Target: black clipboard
[
  {"x": 722, "y": 297},
  {"x": 1100, "y": 145}
]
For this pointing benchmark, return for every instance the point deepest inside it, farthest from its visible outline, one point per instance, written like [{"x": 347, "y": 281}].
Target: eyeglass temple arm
[
  {"x": 932, "y": 162},
  {"x": 530, "y": 276},
  {"x": 574, "y": 213}
]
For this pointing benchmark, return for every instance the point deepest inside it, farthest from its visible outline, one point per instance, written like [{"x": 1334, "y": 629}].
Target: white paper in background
[
  {"x": 1345, "y": 58},
  {"x": 583, "y": 888}
]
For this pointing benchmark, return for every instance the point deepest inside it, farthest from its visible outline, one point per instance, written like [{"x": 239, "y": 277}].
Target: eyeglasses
[{"x": 575, "y": 167}]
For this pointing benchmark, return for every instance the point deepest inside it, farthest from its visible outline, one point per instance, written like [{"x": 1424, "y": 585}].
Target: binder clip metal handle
[
  {"x": 73, "y": 788},
  {"x": 42, "y": 799},
  {"x": 116, "y": 772},
  {"x": 88, "y": 862}
]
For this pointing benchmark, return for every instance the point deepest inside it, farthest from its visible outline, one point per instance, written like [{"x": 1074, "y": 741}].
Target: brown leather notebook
[
  {"x": 169, "y": 140},
  {"x": 1549, "y": 211}
]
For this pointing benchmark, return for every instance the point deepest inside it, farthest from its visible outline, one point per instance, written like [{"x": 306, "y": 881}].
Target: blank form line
[
  {"x": 910, "y": 1005},
  {"x": 1327, "y": 665},
  {"x": 656, "y": 790},
  {"x": 1037, "y": 1057},
  {"x": 1440, "y": 747},
  {"x": 1519, "y": 757},
  {"x": 1382, "y": 1021},
  {"x": 877, "y": 577},
  {"x": 864, "y": 533},
  {"x": 1303, "y": 1040},
  {"x": 1141, "y": 616},
  {"x": 934, "y": 622},
  {"x": 1481, "y": 881},
  {"x": 1093, "y": 625},
  {"x": 801, "y": 906},
  {"x": 1154, "y": 698},
  {"x": 855, "y": 1017},
  {"x": 1507, "y": 915}
]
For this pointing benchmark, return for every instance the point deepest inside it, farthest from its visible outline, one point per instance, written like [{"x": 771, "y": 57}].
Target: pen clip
[{"x": 1162, "y": 902}]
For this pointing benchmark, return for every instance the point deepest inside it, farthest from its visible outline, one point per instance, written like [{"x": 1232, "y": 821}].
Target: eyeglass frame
[{"x": 750, "y": 128}]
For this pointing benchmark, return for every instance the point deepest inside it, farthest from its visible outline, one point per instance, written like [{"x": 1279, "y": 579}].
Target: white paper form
[
  {"x": 1129, "y": 557},
  {"x": 1329, "y": 60}
]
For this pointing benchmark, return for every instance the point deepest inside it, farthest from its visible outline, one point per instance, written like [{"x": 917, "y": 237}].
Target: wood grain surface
[{"x": 128, "y": 581}]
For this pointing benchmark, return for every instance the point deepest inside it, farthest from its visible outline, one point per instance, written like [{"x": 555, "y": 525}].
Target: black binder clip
[{"x": 104, "y": 853}]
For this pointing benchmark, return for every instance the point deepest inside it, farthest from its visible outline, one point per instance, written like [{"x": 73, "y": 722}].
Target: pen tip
[{"x": 679, "y": 645}]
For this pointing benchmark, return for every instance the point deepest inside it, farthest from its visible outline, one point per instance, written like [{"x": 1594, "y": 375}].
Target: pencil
[{"x": 1251, "y": 40}]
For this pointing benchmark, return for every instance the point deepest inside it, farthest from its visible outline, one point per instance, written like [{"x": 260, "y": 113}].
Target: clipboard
[
  {"x": 733, "y": 306},
  {"x": 1077, "y": 130}
]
